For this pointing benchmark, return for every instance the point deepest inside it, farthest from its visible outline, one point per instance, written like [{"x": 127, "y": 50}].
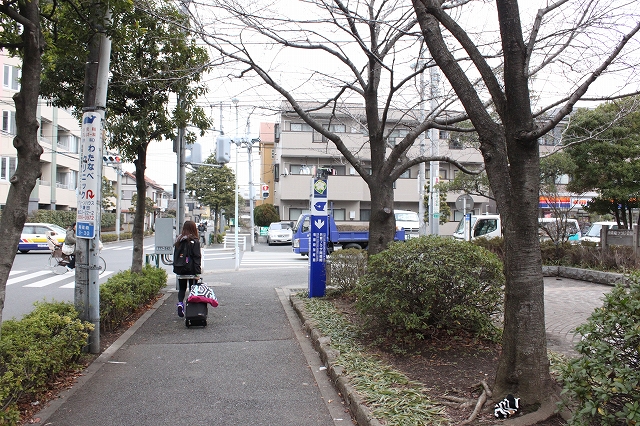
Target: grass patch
[{"x": 388, "y": 393}]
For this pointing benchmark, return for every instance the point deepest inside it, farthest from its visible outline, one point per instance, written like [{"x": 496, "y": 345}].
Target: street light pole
[{"x": 236, "y": 221}]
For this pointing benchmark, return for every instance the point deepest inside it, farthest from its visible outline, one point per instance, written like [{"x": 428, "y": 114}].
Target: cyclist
[{"x": 69, "y": 246}]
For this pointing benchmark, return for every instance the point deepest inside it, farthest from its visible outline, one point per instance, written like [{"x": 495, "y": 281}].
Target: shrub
[
  {"x": 429, "y": 284},
  {"x": 125, "y": 292},
  {"x": 604, "y": 380},
  {"x": 33, "y": 350},
  {"x": 264, "y": 214},
  {"x": 344, "y": 269}
]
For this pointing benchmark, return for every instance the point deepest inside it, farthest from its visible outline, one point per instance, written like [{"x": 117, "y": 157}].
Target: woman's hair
[{"x": 189, "y": 230}]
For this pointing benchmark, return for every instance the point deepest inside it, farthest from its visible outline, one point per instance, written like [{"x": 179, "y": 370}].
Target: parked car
[
  {"x": 559, "y": 229},
  {"x": 593, "y": 234},
  {"x": 279, "y": 233},
  {"x": 34, "y": 236}
]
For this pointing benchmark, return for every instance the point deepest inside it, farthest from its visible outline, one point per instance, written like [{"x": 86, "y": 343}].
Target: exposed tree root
[{"x": 462, "y": 403}]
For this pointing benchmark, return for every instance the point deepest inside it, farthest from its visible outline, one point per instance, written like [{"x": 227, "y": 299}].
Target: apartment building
[
  {"x": 299, "y": 151},
  {"x": 155, "y": 192},
  {"x": 60, "y": 140}
]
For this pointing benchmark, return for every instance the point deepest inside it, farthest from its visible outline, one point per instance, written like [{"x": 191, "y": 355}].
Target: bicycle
[{"x": 58, "y": 261}]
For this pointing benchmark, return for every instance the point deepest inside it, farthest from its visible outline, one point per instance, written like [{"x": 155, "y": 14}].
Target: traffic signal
[
  {"x": 195, "y": 153},
  {"x": 265, "y": 190},
  {"x": 111, "y": 159},
  {"x": 223, "y": 149}
]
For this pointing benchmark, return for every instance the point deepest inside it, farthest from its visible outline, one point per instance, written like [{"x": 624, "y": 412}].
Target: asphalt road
[{"x": 31, "y": 280}]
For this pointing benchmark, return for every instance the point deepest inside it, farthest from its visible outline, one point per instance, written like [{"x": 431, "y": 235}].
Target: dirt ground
[{"x": 452, "y": 366}]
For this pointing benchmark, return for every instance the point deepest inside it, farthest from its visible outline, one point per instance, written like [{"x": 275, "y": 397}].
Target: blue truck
[{"x": 346, "y": 236}]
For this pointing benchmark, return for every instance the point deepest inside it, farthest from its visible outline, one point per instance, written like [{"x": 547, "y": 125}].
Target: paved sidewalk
[
  {"x": 252, "y": 365},
  {"x": 247, "y": 367},
  {"x": 569, "y": 303}
]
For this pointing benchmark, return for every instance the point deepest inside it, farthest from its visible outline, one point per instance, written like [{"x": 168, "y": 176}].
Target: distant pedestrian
[
  {"x": 187, "y": 259},
  {"x": 202, "y": 230}
]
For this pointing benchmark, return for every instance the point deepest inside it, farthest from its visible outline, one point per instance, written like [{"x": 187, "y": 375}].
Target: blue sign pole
[{"x": 318, "y": 235}]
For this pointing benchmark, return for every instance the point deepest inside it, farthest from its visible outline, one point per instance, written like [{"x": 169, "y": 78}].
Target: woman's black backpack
[{"x": 183, "y": 263}]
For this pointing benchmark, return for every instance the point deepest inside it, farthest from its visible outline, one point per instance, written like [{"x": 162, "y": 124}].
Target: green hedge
[
  {"x": 125, "y": 292},
  {"x": 45, "y": 342},
  {"x": 49, "y": 340},
  {"x": 66, "y": 217},
  {"x": 429, "y": 285}
]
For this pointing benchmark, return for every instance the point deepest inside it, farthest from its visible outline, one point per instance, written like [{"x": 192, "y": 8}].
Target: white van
[
  {"x": 490, "y": 226},
  {"x": 593, "y": 233},
  {"x": 486, "y": 226},
  {"x": 408, "y": 220},
  {"x": 558, "y": 229}
]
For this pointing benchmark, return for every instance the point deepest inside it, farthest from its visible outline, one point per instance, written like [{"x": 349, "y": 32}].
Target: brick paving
[{"x": 568, "y": 303}]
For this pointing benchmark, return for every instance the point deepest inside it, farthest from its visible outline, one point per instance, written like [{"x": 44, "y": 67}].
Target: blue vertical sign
[{"x": 318, "y": 235}]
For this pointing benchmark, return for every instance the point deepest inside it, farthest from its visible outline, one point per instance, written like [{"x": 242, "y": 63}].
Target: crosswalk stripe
[
  {"x": 72, "y": 284},
  {"x": 46, "y": 282},
  {"x": 27, "y": 277},
  {"x": 16, "y": 272}
]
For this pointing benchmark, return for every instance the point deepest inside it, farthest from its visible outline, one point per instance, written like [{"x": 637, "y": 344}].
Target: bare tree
[
  {"x": 29, "y": 44},
  {"x": 371, "y": 51},
  {"x": 362, "y": 50},
  {"x": 585, "y": 40}
]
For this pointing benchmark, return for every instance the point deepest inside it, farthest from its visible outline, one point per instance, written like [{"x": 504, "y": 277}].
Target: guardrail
[{"x": 231, "y": 240}]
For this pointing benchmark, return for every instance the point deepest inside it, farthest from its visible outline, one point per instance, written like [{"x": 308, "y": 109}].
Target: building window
[
  {"x": 73, "y": 179},
  {"x": 11, "y": 78},
  {"x": 406, "y": 174},
  {"x": 300, "y": 127},
  {"x": 294, "y": 214},
  {"x": 365, "y": 214},
  {"x": 396, "y": 136},
  {"x": 335, "y": 128},
  {"x": 9, "y": 122},
  {"x": 7, "y": 167},
  {"x": 339, "y": 214},
  {"x": 444, "y": 134},
  {"x": 300, "y": 169},
  {"x": 62, "y": 180}
]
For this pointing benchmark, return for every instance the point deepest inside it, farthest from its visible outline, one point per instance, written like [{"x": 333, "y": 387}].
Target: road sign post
[{"x": 318, "y": 236}]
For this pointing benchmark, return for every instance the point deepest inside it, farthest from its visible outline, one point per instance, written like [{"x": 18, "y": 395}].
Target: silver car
[{"x": 279, "y": 233}]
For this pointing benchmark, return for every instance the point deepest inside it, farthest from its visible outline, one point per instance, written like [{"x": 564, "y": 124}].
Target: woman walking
[{"x": 187, "y": 259}]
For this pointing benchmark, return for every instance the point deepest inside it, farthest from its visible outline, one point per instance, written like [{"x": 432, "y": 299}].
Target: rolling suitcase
[{"x": 195, "y": 314}]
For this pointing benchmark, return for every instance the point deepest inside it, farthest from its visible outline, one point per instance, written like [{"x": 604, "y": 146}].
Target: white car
[
  {"x": 593, "y": 233},
  {"x": 34, "y": 236},
  {"x": 279, "y": 233}
]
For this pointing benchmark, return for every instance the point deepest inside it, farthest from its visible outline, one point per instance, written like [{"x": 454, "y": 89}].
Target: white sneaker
[{"x": 68, "y": 269}]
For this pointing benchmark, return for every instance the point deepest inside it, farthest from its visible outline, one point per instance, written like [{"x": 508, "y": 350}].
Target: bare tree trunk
[
  {"x": 138, "y": 220},
  {"x": 382, "y": 223},
  {"x": 26, "y": 143}
]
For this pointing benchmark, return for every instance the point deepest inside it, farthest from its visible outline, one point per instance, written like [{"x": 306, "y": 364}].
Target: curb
[
  {"x": 328, "y": 355},
  {"x": 589, "y": 275},
  {"x": 96, "y": 365}
]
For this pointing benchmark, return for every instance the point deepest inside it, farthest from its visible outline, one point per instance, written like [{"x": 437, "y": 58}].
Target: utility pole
[
  {"x": 422, "y": 170},
  {"x": 434, "y": 166},
  {"x": 118, "y": 196},
  {"x": 87, "y": 290}
]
